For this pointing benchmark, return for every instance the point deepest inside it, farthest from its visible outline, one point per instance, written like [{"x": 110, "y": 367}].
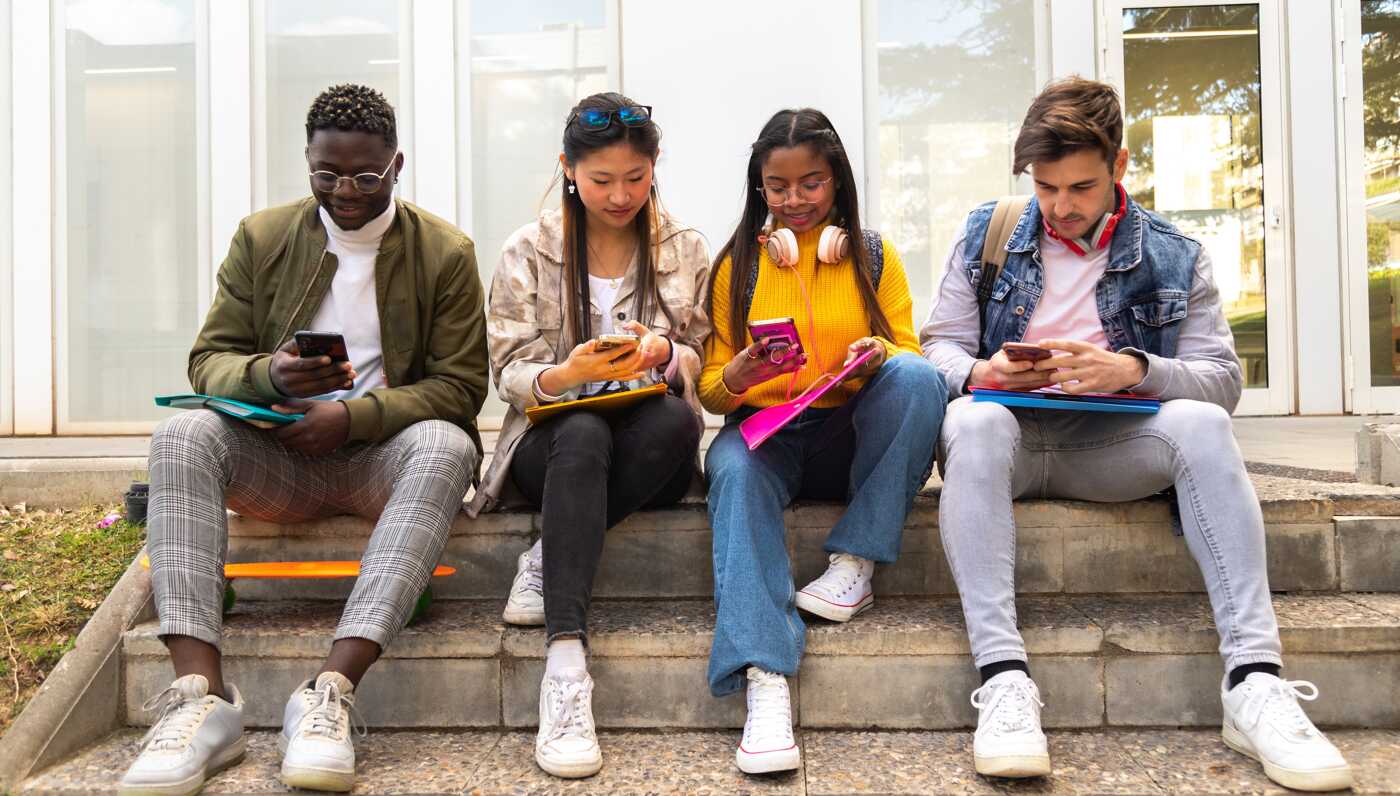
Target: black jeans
[{"x": 586, "y": 472}]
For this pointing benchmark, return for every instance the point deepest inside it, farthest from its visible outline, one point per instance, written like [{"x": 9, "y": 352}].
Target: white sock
[
  {"x": 537, "y": 552},
  {"x": 564, "y": 653}
]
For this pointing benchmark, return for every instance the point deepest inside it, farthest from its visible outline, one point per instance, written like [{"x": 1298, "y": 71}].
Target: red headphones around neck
[{"x": 1102, "y": 234}]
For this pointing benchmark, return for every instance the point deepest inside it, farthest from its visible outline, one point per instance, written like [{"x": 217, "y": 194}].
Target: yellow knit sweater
[{"x": 840, "y": 321}]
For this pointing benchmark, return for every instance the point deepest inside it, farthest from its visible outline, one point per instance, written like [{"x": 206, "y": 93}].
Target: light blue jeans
[
  {"x": 991, "y": 455},
  {"x": 875, "y": 452}
]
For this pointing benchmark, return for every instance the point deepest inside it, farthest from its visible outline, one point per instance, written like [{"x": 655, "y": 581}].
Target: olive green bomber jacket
[{"x": 432, "y": 324}]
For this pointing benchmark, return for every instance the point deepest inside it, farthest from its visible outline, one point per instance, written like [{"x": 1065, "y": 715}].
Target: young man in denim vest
[{"x": 1124, "y": 301}]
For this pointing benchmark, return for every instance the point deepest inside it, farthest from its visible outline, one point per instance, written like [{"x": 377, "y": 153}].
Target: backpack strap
[
  {"x": 874, "y": 245},
  {"x": 1005, "y": 217}
]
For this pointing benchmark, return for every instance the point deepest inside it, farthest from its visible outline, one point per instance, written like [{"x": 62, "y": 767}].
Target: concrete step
[
  {"x": 1322, "y": 537},
  {"x": 834, "y": 762},
  {"x": 1100, "y": 660}
]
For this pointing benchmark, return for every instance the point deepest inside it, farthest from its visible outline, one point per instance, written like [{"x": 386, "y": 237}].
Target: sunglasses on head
[{"x": 600, "y": 119}]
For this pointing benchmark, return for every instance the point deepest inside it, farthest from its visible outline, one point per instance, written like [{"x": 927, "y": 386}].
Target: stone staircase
[{"x": 1121, "y": 637}]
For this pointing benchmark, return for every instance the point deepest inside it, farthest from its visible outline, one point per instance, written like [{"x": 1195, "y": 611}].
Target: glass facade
[
  {"x": 1380, "y": 76},
  {"x": 311, "y": 45},
  {"x": 1192, "y": 127},
  {"x": 954, "y": 81},
  {"x": 131, "y": 301}
]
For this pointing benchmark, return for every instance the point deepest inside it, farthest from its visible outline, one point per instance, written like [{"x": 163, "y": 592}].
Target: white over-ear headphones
[{"x": 833, "y": 247}]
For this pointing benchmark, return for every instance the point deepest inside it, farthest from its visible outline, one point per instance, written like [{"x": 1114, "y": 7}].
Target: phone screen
[{"x": 322, "y": 344}]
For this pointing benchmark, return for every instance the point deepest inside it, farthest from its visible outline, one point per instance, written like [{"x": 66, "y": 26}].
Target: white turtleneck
[{"x": 351, "y": 307}]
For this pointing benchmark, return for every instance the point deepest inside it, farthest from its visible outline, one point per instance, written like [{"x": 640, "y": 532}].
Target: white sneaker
[
  {"x": 317, "y": 750},
  {"x": 567, "y": 744},
  {"x": 768, "y": 744},
  {"x": 194, "y": 737},
  {"x": 842, "y": 591},
  {"x": 1263, "y": 720},
  {"x": 526, "y": 603},
  {"x": 1009, "y": 741}
]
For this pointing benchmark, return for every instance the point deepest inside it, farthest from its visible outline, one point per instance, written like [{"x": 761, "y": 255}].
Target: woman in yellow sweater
[{"x": 868, "y": 441}]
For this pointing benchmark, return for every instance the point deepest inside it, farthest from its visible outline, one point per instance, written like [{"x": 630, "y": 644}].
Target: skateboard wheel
[
  {"x": 230, "y": 597},
  {"x": 420, "y": 608}
]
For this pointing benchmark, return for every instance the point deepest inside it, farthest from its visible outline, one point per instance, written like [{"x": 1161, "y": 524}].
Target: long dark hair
[
  {"x": 791, "y": 128},
  {"x": 579, "y": 143}
]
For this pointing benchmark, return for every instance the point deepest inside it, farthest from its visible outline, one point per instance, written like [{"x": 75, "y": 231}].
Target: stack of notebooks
[{"x": 1052, "y": 398}]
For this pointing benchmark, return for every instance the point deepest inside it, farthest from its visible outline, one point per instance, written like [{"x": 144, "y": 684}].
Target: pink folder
[{"x": 765, "y": 423}]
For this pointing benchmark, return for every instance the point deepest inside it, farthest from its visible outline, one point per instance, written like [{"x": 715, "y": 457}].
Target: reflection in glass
[
  {"x": 312, "y": 45},
  {"x": 1192, "y": 81},
  {"x": 132, "y": 265},
  {"x": 955, "y": 78},
  {"x": 530, "y": 63},
  {"x": 1380, "y": 76}
]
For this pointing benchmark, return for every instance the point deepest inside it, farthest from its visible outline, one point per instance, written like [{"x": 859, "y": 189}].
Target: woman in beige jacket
[{"x": 609, "y": 264}]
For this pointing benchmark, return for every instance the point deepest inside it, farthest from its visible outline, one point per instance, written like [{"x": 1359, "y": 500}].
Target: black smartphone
[{"x": 322, "y": 344}]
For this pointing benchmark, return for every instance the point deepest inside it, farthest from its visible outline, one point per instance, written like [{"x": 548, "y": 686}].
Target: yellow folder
[{"x": 611, "y": 402}]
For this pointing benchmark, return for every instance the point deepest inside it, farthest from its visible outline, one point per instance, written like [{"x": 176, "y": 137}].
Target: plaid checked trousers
[{"x": 412, "y": 484}]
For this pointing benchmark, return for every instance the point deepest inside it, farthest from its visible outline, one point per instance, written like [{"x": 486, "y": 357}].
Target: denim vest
[{"x": 1141, "y": 297}]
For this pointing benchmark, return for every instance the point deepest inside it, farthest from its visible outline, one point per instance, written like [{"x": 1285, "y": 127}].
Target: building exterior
[{"x": 138, "y": 133}]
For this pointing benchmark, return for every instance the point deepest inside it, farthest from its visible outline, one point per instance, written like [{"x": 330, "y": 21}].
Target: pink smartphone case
[{"x": 764, "y": 423}]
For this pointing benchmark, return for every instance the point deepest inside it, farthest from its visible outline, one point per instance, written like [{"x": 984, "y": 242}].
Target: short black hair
[{"x": 350, "y": 106}]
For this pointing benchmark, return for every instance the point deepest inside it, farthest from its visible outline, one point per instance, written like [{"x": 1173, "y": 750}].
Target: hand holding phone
[
  {"x": 1025, "y": 352},
  {"x": 322, "y": 344},
  {"x": 608, "y": 342},
  {"x": 779, "y": 337},
  {"x": 298, "y": 373}
]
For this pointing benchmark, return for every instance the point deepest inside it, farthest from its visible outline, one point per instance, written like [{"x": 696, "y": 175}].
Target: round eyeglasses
[
  {"x": 600, "y": 119},
  {"x": 807, "y": 191},
  {"x": 367, "y": 183}
]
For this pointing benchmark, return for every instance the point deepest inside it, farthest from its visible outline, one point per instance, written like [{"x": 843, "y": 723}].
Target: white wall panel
[{"x": 32, "y": 201}]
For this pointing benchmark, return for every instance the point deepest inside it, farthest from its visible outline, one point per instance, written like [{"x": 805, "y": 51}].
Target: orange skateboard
[{"x": 308, "y": 569}]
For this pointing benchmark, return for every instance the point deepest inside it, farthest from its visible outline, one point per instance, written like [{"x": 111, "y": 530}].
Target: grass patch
[{"x": 55, "y": 569}]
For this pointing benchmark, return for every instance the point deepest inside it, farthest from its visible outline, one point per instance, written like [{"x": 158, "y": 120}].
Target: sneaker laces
[
  {"x": 179, "y": 718},
  {"x": 1278, "y": 704},
  {"x": 534, "y": 575},
  {"x": 770, "y": 708},
  {"x": 843, "y": 573},
  {"x": 1008, "y": 704},
  {"x": 324, "y": 717},
  {"x": 570, "y": 715}
]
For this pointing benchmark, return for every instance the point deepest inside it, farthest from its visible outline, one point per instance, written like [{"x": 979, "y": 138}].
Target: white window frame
[
  {"x": 1278, "y": 398},
  {"x": 31, "y": 198},
  {"x": 1366, "y": 398},
  {"x": 7, "y": 306},
  {"x": 63, "y": 422}
]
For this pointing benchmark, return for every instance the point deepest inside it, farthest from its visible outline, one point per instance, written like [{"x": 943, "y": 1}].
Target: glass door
[
  {"x": 1372, "y": 117},
  {"x": 1202, "y": 123}
]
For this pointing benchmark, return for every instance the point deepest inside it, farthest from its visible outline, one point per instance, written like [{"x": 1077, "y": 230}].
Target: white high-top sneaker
[
  {"x": 768, "y": 744},
  {"x": 567, "y": 744},
  {"x": 194, "y": 737},
  {"x": 842, "y": 591},
  {"x": 317, "y": 750},
  {"x": 1264, "y": 721},
  {"x": 1009, "y": 741},
  {"x": 526, "y": 603}
]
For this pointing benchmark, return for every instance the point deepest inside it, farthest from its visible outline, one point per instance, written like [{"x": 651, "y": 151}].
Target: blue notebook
[
  {"x": 1054, "y": 399},
  {"x": 260, "y": 416}
]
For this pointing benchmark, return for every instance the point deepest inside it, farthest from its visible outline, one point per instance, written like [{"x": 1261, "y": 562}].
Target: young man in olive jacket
[{"x": 389, "y": 434}]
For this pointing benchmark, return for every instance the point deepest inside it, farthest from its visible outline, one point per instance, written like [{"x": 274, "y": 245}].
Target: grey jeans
[
  {"x": 412, "y": 485},
  {"x": 991, "y": 455}
]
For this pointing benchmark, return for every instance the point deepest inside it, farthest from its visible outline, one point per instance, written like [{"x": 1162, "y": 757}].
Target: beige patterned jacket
[{"x": 526, "y": 330}]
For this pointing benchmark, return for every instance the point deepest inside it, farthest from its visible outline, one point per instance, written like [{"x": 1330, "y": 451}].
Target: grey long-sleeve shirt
[{"x": 1205, "y": 367}]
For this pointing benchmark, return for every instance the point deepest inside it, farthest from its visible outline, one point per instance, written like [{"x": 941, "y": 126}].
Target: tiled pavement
[{"x": 835, "y": 762}]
